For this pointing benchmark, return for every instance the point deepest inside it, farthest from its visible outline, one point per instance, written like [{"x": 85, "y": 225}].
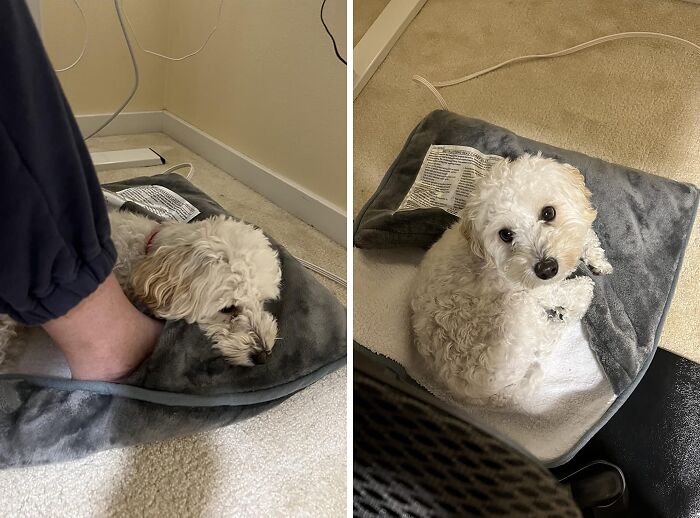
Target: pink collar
[{"x": 149, "y": 242}]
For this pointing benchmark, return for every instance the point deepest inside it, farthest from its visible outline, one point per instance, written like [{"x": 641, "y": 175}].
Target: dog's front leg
[
  {"x": 594, "y": 255},
  {"x": 568, "y": 300}
]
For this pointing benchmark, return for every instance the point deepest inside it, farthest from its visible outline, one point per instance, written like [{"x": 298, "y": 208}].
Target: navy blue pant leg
[{"x": 55, "y": 247}]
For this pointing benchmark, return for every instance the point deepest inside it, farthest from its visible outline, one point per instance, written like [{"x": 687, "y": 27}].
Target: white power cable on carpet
[
  {"x": 328, "y": 275},
  {"x": 181, "y": 166},
  {"x": 433, "y": 87}
]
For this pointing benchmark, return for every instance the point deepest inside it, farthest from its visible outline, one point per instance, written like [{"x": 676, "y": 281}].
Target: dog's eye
[
  {"x": 548, "y": 213},
  {"x": 230, "y": 310},
  {"x": 506, "y": 235}
]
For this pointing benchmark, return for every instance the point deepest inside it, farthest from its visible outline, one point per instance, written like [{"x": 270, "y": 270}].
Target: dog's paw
[
  {"x": 594, "y": 255},
  {"x": 574, "y": 298},
  {"x": 563, "y": 315},
  {"x": 602, "y": 268},
  {"x": 556, "y": 313},
  {"x": 597, "y": 262}
]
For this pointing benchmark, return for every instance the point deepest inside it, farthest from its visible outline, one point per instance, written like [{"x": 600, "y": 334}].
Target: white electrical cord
[
  {"x": 181, "y": 166},
  {"x": 111, "y": 198},
  {"x": 120, "y": 17},
  {"x": 603, "y": 39},
  {"x": 321, "y": 271},
  {"x": 170, "y": 58},
  {"x": 85, "y": 40}
]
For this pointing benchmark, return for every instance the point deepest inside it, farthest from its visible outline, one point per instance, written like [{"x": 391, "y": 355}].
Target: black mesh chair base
[{"x": 413, "y": 459}]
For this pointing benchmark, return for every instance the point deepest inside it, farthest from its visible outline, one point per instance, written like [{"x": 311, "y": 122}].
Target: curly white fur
[
  {"x": 216, "y": 273},
  {"x": 481, "y": 315}
]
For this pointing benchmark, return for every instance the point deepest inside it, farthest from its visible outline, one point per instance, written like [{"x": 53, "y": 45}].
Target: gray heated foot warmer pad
[
  {"x": 644, "y": 223},
  {"x": 185, "y": 386}
]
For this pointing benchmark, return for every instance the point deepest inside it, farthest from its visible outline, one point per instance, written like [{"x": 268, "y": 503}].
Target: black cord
[{"x": 335, "y": 47}]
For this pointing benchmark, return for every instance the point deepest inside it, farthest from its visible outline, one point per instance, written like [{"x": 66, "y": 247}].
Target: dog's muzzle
[{"x": 546, "y": 268}]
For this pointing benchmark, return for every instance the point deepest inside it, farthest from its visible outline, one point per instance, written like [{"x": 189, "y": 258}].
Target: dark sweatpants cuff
[{"x": 67, "y": 295}]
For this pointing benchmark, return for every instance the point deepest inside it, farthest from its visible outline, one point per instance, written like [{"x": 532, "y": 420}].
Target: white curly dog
[
  {"x": 492, "y": 296},
  {"x": 216, "y": 273}
]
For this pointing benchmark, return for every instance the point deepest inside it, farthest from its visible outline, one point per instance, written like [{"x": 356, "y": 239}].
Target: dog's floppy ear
[
  {"x": 170, "y": 282},
  {"x": 154, "y": 282},
  {"x": 579, "y": 183},
  {"x": 466, "y": 228}
]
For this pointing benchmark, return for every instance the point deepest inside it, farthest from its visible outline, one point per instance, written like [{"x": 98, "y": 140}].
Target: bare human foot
[{"x": 104, "y": 337}]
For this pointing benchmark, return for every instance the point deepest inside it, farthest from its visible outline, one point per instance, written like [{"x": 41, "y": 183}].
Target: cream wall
[
  {"x": 103, "y": 78},
  {"x": 268, "y": 84}
]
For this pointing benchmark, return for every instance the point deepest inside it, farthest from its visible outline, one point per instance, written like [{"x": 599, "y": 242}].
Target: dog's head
[
  {"x": 530, "y": 218},
  {"x": 216, "y": 273},
  {"x": 246, "y": 338}
]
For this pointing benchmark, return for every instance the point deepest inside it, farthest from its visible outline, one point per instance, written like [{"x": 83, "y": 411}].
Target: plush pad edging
[
  {"x": 361, "y": 215},
  {"x": 178, "y": 399}
]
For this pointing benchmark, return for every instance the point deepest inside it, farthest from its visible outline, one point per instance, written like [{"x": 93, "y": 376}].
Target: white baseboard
[
  {"x": 379, "y": 39},
  {"x": 292, "y": 197},
  {"x": 127, "y": 123},
  {"x": 321, "y": 214}
]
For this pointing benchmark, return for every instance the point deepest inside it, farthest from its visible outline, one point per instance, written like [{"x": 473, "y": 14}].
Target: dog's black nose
[
  {"x": 260, "y": 357},
  {"x": 547, "y": 268}
]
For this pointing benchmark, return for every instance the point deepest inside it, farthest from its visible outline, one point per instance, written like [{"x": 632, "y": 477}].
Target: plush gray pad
[
  {"x": 644, "y": 223},
  {"x": 185, "y": 386}
]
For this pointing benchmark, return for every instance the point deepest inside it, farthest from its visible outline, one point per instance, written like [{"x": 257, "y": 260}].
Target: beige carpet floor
[
  {"x": 634, "y": 102},
  {"x": 289, "y": 461}
]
